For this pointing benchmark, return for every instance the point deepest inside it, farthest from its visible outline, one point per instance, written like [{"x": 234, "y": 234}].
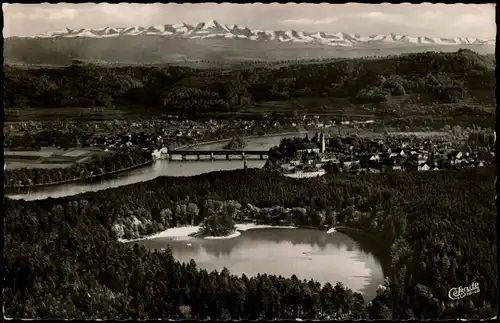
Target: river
[
  {"x": 163, "y": 168},
  {"x": 306, "y": 253}
]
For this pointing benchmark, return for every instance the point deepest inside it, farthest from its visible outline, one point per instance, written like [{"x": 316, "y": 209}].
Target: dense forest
[
  {"x": 100, "y": 164},
  {"x": 437, "y": 229},
  {"x": 446, "y": 78}
]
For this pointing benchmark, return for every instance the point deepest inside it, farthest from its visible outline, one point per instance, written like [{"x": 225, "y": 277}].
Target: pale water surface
[{"x": 306, "y": 253}]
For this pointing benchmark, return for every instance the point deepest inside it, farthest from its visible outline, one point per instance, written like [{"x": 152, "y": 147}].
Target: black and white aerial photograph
[{"x": 250, "y": 161}]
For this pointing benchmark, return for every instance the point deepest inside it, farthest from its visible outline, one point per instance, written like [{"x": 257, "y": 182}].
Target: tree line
[{"x": 437, "y": 230}]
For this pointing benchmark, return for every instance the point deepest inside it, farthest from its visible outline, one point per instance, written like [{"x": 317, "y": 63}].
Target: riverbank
[
  {"x": 53, "y": 185},
  {"x": 23, "y": 188},
  {"x": 117, "y": 172}
]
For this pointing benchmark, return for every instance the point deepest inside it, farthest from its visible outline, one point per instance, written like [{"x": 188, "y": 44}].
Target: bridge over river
[{"x": 212, "y": 153}]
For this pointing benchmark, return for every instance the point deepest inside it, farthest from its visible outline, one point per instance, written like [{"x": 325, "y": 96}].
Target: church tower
[{"x": 323, "y": 146}]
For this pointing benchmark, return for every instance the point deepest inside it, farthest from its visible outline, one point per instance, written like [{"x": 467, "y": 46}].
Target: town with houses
[
  {"x": 304, "y": 157},
  {"x": 327, "y": 151},
  {"x": 166, "y": 133},
  {"x": 173, "y": 129}
]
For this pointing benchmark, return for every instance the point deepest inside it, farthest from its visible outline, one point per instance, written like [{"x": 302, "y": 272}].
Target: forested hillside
[
  {"x": 440, "y": 78},
  {"x": 438, "y": 230}
]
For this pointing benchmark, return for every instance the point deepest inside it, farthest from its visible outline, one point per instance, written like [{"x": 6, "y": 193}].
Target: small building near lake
[
  {"x": 306, "y": 148},
  {"x": 306, "y": 174}
]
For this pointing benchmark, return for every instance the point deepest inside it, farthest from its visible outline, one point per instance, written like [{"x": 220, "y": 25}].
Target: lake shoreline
[
  {"x": 366, "y": 241},
  {"x": 188, "y": 232},
  {"x": 186, "y": 236}
]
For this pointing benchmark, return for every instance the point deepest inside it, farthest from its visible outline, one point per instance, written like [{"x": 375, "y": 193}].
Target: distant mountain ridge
[{"x": 215, "y": 30}]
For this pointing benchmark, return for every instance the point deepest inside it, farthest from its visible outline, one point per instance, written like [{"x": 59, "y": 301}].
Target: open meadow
[
  {"x": 48, "y": 157},
  {"x": 78, "y": 113}
]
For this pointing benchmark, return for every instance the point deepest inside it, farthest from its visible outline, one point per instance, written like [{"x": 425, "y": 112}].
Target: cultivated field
[
  {"x": 27, "y": 154},
  {"x": 316, "y": 105},
  {"x": 77, "y": 113},
  {"x": 19, "y": 164},
  {"x": 335, "y": 106},
  {"x": 48, "y": 157},
  {"x": 420, "y": 134},
  {"x": 76, "y": 153}
]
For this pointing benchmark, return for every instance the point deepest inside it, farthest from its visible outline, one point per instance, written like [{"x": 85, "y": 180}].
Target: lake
[{"x": 307, "y": 253}]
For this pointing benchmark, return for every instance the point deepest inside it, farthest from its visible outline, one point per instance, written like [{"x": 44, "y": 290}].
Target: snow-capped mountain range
[{"x": 213, "y": 29}]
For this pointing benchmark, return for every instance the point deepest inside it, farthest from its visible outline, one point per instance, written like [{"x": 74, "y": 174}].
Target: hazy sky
[{"x": 434, "y": 20}]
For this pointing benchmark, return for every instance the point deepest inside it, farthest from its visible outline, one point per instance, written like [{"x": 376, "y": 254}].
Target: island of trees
[
  {"x": 435, "y": 230},
  {"x": 236, "y": 143},
  {"x": 218, "y": 217}
]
